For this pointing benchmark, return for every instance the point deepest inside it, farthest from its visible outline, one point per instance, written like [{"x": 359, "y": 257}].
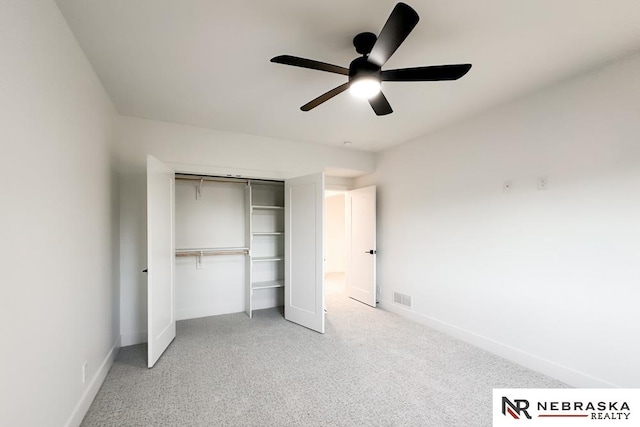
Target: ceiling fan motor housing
[
  {"x": 364, "y": 42},
  {"x": 361, "y": 68}
]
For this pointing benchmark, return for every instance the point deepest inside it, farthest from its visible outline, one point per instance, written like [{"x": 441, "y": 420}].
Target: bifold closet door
[
  {"x": 304, "y": 257},
  {"x": 160, "y": 258}
]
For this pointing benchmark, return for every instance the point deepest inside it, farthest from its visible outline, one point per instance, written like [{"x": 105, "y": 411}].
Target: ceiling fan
[{"x": 365, "y": 73}]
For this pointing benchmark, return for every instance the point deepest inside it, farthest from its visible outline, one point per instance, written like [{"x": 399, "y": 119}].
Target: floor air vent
[{"x": 403, "y": 299}]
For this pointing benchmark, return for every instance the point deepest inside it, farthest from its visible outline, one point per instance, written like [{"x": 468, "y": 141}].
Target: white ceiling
[{"x": 206, "y": 62}]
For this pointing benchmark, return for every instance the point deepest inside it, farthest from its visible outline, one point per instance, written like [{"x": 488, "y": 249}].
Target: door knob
[{"x": 371, "y": 252}]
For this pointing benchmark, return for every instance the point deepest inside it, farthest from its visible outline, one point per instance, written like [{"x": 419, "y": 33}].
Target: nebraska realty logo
[{"x": 566, "y": 407}]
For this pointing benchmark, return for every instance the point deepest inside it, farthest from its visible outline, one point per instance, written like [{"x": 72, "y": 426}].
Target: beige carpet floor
[{"x": 370, "y": 368}]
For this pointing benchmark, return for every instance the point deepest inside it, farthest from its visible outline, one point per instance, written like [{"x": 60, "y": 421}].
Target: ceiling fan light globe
[{"x": 366, "y": 87}]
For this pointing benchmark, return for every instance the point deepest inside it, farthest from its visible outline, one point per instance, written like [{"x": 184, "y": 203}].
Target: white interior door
[
  {"x": 160, "y": 258},
  {"x": 361, "y": 244},
  {"x": 304, "y": 251}
]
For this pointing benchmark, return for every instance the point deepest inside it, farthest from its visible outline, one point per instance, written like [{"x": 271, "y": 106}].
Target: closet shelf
[
  {"x": 211, "y": 251},
  {"x": 271, "y": 208},
  {"x": 268, "y": 233},
  {"x": 267, "y": 258},
  {"x": 268, "y": 285}
]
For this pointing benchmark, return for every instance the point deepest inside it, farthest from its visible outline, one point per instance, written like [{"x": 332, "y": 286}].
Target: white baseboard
[
  {"x": 133, "y": 338},
  {"x": 555, "y": 370},
  {"x": 96, "y": 382}
]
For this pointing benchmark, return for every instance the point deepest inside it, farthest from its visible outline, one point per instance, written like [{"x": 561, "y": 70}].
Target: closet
[
  {"x": 225, "y": 244},
  {"x": 229, "y": 245}
]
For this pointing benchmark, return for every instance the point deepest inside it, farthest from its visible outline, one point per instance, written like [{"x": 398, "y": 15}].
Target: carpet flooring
[{"x": 370, "y": 368}]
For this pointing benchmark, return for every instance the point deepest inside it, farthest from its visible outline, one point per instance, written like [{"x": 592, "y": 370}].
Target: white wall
[
  {"x": 549, "y": 278},
  {"x": 200, "y": 150},
  {"x": 217, "y": 219},
  {"x": 58, "y": 252},
  {"x": 219, "y": 150},
  {"x": 335, "y": 237}
]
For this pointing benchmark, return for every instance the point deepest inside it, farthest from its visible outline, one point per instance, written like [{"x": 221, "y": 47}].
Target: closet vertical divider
[{"x": 249, "y": 243}]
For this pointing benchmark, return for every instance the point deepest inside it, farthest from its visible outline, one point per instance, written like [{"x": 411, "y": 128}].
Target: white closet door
[
  {"x": 160, "y": 258},
  {"x": 304, "y": 247},
  {"x": 361, "y": 241}
]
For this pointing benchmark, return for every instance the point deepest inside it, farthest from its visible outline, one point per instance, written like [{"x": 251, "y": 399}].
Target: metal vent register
[{"x": 403, "y": 299}]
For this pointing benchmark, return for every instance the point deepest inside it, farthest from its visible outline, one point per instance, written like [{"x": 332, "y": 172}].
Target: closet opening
[{"x": 229, "y": 244}]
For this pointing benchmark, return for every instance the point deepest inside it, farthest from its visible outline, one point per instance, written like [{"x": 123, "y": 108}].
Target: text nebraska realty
[{"x": 599, "y": 410}]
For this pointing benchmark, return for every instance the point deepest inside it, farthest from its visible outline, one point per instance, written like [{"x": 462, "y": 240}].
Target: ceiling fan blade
[
  {"x": 400, "y": 23},
  {"x": 325, "y": 97},
  {"x": 425, "y": 74},
  {"x": 310, "y": 63},
  {"x": 380, "y": 105}
]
